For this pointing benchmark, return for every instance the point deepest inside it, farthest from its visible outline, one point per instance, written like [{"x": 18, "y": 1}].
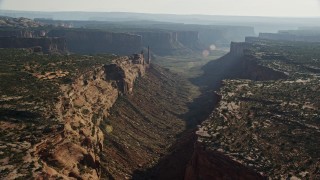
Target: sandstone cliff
[
  {"x": 96, "y": 41},
  {"x": 190, "y": 39},
  {"x": 24, "y": 33},
  {"x": 237, "y": 48},
  {"x": 162, "y": 42},
  {"x": 248, "y": 66},
  {"x": 72, "y": 151},
  {"x": 47, "y": 45},
  {"x": 143, "y": 126}
]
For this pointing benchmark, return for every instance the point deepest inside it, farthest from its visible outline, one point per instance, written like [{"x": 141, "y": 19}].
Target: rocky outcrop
[
  {"x": 98, "y": 41},
  {"x": 210, "y": 165},
  {"x": 47, "y": 45},
  {"x": 122, "y": 76},
  {"x": 84, "y": 104}
]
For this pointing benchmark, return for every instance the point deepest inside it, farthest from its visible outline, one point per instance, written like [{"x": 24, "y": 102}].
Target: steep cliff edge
[
  {"x": 22, "y": 32},
  {"x": 190, "y": 39},
  {"x": 208, "y": 163},
  {"x": 162, "y": 42},
  {"x": 74, "y": 152},
  {"x": 142, "y": 126},
  {"x": 46, "y": 45},
  {"x": 262, "y": 123},
  {"x": 6, "y": 32},
  {"x": 53, "y": 116},
  {"x": 98, "y": 41},
  {"x": 247, "y": 66}
]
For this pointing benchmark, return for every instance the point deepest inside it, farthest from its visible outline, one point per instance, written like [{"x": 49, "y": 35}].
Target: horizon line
[{"x": 226, "y": 15}]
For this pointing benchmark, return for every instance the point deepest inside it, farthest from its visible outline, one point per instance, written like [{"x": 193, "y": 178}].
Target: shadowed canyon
[{"x": 160, "y": 100}]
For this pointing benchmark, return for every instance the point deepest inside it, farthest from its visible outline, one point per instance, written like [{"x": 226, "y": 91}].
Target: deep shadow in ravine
[{"x": 173, "y": 164}]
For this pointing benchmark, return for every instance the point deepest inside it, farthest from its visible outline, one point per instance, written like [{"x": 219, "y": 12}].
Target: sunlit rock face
[{"x": 74, "y": 153}]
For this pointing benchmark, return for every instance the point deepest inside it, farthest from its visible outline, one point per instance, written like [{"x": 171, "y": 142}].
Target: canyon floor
[{"x": 151, "y": 134}]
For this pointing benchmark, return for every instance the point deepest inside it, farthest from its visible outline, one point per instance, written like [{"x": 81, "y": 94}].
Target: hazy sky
[{"x": 213, "y": 7}]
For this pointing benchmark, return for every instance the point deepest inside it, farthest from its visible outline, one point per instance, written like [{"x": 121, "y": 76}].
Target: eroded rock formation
[{"x": 72, "y": 152}]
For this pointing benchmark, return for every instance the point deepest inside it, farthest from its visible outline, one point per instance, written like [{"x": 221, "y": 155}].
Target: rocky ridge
[
  {"x": 68, "y": 145},
  {"x": 268, "y": 123},
  {"x": 82, "y": 108}
]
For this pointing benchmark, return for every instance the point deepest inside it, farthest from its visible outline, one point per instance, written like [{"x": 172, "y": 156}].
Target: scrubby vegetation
[
  {"x": 272, "y": 126},
  {"x": 30, "y": 87}
]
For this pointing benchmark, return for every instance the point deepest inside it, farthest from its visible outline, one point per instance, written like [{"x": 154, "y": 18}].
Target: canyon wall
[
  {"x": 161, "y": 42},
  {"x": 206, "y": 164},
  {"x": 46, "y": 45},
  {"x": 73, "y": 151},
  {"x": 189, "y": 39},
  {"x": 237, "y": 48},
  {"x": 16, "y": 33},
  {"x": 218, "y": 35},
  {"x": 239, "y": 63},
  {"x": 96, "y": 41},
  {"x": 171, "y": 42},
  {"x": 251, "y": 69},
  {"x": 247, "y": 66},
  {"x": 289, "y": 37},
  {"x": 22, "y": 33}
]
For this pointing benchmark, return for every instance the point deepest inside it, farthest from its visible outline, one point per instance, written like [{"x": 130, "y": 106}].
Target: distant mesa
[{"x": 118, "y": 38}]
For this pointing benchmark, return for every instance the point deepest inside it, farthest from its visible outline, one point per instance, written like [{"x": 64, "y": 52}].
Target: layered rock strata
[
  {"x": 73, "y": 150},
  {"x": 46, "y": 45}
]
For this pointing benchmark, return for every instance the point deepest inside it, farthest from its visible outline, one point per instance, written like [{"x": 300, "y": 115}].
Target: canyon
[
  {"x": 251, "y": 106},
  {"x": 80, "y": 111}
]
